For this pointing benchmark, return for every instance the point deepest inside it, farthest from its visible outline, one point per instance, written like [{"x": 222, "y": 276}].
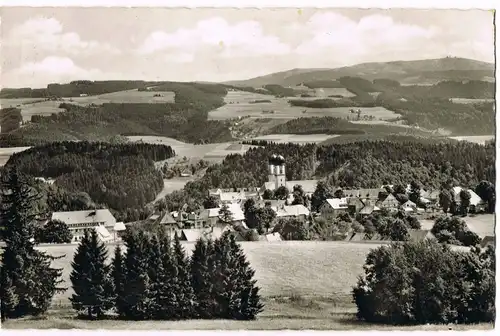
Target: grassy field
[
  {"x": 482, "y": 225},
  {"x": 209, "y": 152},
  {"x": 238, "y": 104},
  {"x": 128, "y": 96},
  {"x": 295, "y": 138},
  {"x": 325, "y": 92},
  {"x": 281, "y": 268},
  {"x": 479, "y": 139},
  {"x": 5, "y": 153},
  {"x": 471, "y": 101}
]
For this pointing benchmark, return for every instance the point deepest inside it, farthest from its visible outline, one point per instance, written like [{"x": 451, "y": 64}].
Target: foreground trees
[
  {"x": 426, "y": 282},
  {"x": 155, "y": 280},
  {"x": 27, "y": 280}
]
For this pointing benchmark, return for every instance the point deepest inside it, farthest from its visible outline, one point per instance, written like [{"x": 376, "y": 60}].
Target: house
[
  {"x": 409, "y": 206},
  {"x": 192, "y": 235},
  {"x": 476, "y": 203},
  {"x": 372, "y": 194},
  {"x": 210, "y": 217},
  {"x": 79, "y": 221},
  {"x": 168, "y": 219},
  {"x": 83, "y": 95},
  {"x": 297, "y": 211},
  {"x": 334, "y": 207},
  {"x": 239, "y": 195},
  {"x": 368, "y": 209},
  {"x": 118, "y": 230},
  {"x": 355, "y": 204},
  {"x": 389, "y": 203}
]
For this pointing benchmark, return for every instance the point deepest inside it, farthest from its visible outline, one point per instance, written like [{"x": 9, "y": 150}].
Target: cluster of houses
[{"x": 206, "y": 223}]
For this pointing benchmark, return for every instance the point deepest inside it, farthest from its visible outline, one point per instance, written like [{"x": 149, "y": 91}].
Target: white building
[{"x": 78, "y": 221}]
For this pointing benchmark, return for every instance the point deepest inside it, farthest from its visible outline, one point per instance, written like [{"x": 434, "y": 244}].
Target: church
[{"x": 277, "y": 177}]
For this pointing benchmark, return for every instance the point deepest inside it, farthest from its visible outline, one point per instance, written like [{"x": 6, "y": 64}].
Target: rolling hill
[{"x": 407, "y": 72}]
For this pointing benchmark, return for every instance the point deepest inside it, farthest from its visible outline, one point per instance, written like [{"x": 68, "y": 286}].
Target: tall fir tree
[
  {"x": 119, "y": 278},
  {"x": 91, "y": 277},
  {"x": 201, "y": 268},
  {"x": 28, "y": 282},
  {"x": 136, "y": 292},
  {"x": 186, "y": 298},
  {"x": 168, "y": 293}
]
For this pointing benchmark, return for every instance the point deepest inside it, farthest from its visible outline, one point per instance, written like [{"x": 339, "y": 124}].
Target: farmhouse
[
  {"x": 234, "y": 195},
  {"x": 210, "y": 217},
  {"x": 476, "y": 203},
  {"x": 277, "y": 177},
  {"x": 78, "y": 221},
  {"x": 389, "y": 203},
  {"x": 297, "y": 211},
  {"x": 334, "y": 207},
  {"x": 363, "y": 193}
]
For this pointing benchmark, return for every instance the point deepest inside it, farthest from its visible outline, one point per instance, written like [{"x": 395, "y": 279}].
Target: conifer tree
[
  {"x": 91, "y": 278},
  {"x": 119, "y": 278},
  {"x": 136, "y": 294},
  {"x": 186, "y": 299},
  {"x": 168, "y": 291},
  {"x": 28, "y": 282},
  {"x": 201, "y": 267}
]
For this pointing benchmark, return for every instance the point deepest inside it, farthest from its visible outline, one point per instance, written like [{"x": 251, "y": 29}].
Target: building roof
[
  {"x": 85, "y": 217},
  {"x": 103, "y": 233},
  {"x": 363, "y": 193},
  {"x": 192, "y": 235},
  {"x": 167, "y": 219},
  {"x": 291, "y": 210},
  {"x": 409, "y": 204},
  {"x": 119, "y": 226},
  {"x": 337, "y": 203},
  {"x": 235, "y": 209},
  {"x": 271, "y": 237},
  {"x": 309, "y": 186},
  {"x": 474, "y": 198}
]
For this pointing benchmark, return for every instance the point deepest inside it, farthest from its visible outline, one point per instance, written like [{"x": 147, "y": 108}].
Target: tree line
[{"x": 89, "y": 174}]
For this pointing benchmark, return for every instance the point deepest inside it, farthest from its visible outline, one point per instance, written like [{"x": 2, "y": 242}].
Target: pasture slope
[{"x": 241, "y": 104}]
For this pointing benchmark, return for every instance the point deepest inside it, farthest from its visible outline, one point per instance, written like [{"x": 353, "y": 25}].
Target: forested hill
[
  {"x": 186, "y": 119},
  {"x": 367, "y": 164},
  {"x": 119, "y": 176}
]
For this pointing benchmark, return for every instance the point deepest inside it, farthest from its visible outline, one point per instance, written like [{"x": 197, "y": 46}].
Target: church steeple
[{"x": 277, "y": 170}]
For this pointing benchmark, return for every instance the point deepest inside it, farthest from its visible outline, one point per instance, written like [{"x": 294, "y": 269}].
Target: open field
[
  {"x": 280, "y": 313},
  {"x": 17, "y": 102},
  {"x": 471, "y": 101},
  {"x": 5, "y": 153},
  {"x": 325, "y": 92},
  {"x": 128, "y": 96},
  {"x": 295, "y": 138},
  {"x": 238, "y": 104},
  {"x": 482, "y": 225},
  {"x": 171, "y": 185},
  {"x": 209, "y": 152},
  {"x": 479, "y": 139},
  {"x": 33, "y": 106}
]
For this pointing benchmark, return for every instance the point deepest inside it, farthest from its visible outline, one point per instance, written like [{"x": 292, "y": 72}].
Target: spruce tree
[
  {"x": 185, "y": 292},
  {"x": 28, "y": 282},
  {"x": 91, "y": 278},
  {"x": 201, "y": 268},
  {"x": 136, "y": 292},
  {"x": 168, "y": 292},
  {"x": 119, "y": 278}
]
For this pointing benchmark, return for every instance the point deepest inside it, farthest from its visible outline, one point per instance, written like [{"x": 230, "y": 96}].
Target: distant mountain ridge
[{"x": 428, "y": 71}]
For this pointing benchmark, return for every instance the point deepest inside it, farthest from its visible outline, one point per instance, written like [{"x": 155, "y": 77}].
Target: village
[{"x": 229, "y": 214}]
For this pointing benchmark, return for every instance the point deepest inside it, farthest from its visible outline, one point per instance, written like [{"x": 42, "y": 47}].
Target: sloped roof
[
  {"x": 235, "y": 209},
  {"x": 291, "y": 210},
  {"x": 192, "y": 235},
  {"x": 389, "y": 198},
  {"x": 367, "y": 209},
  {"x": 338, "y": 203},
  {"x": 409, "y": 204},
  {"x": 474, "y": 198},
  {"x": 103, "y": 233},
  {"x": 167, "y": 219},
  {"x": 309, "y": 186},
  {"x": 119, "y": 226},
  {"x": 371, "y": 193},
  {"x": 85, "y": 217},
  {"x": 271, "y": 237}
]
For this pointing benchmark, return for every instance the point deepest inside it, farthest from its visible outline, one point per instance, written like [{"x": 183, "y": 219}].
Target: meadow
[
  {"x": 5, "y": 153},
  {"x": 240, "y": 104},
  {"x": 471, "y": 101},
  {"x": 295, "y": 138},
  {"x": 128, "y": 96},
  {"x": 479, "y": 139}
]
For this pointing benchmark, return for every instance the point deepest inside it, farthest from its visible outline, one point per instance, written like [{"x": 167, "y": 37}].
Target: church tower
[{"x": 277, "y": 170}]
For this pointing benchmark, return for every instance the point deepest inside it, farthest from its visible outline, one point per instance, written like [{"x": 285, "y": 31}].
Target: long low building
[{"x": 78, "y": 221}]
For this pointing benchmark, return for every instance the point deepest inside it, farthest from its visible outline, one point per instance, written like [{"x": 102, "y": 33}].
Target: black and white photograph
[{"x": 169, "y": 168}]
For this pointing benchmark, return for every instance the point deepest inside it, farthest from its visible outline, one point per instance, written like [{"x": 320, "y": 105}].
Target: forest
[
  {"x": 367, "y": 164},
  {"x": 185, "y": 120},
  {"x": 98, "y": 170}
]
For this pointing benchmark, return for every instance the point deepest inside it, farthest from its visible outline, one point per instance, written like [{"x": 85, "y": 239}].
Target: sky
[{"x": 57, "y": 45}]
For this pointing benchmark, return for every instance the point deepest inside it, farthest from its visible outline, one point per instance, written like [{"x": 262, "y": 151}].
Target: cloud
[
  {"x": 53, "y": 69},
  {"x": 332, "y": 32},
  {"x": 245, "y": 38},
  {"x": 48, "y": 34}
]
